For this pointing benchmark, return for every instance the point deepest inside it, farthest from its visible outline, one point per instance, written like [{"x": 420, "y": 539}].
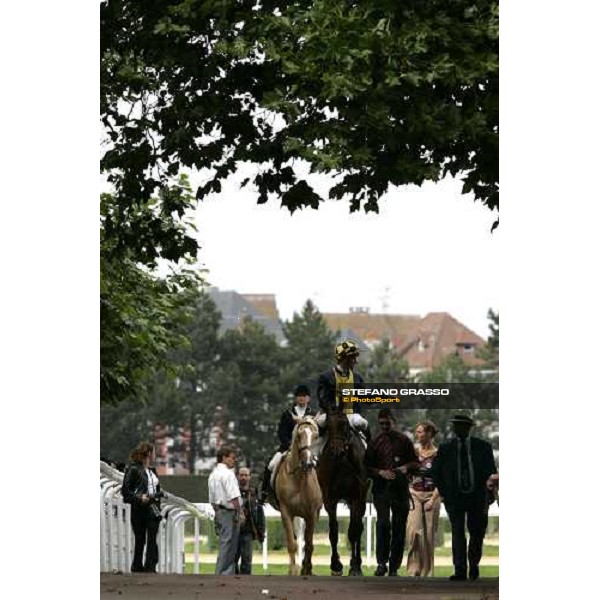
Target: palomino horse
[
  {"x": 298, "y": 492},
  {"x": 343, "y": 477}
]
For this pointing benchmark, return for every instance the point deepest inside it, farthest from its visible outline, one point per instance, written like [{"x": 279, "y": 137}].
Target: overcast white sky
[{"x": 429, "y": 247}]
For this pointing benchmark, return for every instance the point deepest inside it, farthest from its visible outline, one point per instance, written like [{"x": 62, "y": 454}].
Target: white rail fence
[{"x": 116, "y": 537}]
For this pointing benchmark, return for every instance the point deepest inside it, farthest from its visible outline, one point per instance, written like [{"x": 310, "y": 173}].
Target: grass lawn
[
  {"x": 322, "y": 550},
  {"x": 209, "y": 569}
]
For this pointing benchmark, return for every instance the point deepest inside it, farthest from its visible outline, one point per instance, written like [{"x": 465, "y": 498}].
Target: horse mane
[{"x": 293, "y": 456}]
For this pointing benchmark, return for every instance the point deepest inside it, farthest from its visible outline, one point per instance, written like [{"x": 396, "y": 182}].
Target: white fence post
[
  {"x": 196, "y": 545},
  {"x": 265, "y": 546},
  {"x": 369, "y": 535}
]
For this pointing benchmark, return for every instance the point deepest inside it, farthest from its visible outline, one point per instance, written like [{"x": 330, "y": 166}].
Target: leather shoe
[
  {"x": 474, "y": 573},
  {"x": 458, "y": 577},
  {"x": 380, "y": 571}
]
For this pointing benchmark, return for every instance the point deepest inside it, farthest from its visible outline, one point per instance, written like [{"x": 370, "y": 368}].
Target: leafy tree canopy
[
  {"x": 374, "y": 93},
  {"x": 141, "y": 313}
]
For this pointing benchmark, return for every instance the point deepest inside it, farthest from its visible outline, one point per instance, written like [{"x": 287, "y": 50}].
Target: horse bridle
[{"x": 301, "y": 449}]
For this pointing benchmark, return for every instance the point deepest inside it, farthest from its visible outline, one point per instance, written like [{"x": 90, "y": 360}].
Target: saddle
[{"x": 359, "y": 434}]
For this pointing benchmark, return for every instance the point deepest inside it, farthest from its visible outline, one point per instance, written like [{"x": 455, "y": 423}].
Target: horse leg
[
  {"x": 292, "y": 546},
  {"x": 308, "y": 544},
  {"x": 336, "y": 566},
  {"x": 355, "y": 530}
]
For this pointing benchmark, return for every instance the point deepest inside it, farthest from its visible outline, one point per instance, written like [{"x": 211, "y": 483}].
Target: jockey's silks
[{"x": 341, "y": 380}]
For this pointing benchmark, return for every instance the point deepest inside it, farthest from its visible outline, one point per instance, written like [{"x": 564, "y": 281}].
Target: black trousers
[
  {"x": 145, "y": 531},
  {"x": 391, "y": 535},
  {"x": 475, "y": 510}
]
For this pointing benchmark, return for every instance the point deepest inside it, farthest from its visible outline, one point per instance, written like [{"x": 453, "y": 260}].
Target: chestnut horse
[
  {"x": 298, "y": 492},
  {"x": 343, "y": 477}
]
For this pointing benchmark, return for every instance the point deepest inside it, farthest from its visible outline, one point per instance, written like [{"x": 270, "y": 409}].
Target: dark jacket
[
  {"x": 254, "y": 513},
  {"x": 445, "y": 470},
  {"x": 135, "y": 484},
  {"x": 402, "y": 454},
  {"x": 326, "y": 392},
  {"x": 287, "y": 424}
]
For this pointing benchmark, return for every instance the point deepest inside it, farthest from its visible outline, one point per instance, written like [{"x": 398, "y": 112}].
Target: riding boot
[{"x": 266, "y": 485}]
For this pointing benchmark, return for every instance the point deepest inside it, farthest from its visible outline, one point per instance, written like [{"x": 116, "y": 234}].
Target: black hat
[
  {"x": 301, "y": 390},
  {"x": 462, "y": 419}
]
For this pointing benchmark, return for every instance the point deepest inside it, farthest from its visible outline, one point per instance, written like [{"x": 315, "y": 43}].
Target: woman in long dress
[{"x": 424, "y": 515}]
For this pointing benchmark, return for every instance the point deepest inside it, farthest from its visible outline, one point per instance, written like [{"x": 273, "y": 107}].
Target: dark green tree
[
  {"x": 248, "y": 385},
  {"x": 173, "y": 401},
  {"x": 309, "y": 349},
  {"x": 140, "y": 312},
  {"x": 184, "y": 401},
  {"x": 386, "y": 365},
  {"x": 490, "y": 353},
  {"x": 376, "y": 93}
]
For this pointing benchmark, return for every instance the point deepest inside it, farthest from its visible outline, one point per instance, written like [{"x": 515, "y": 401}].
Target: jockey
[
  {"x": 290, "y": 416},
  {"x": 346, "y": 355}
]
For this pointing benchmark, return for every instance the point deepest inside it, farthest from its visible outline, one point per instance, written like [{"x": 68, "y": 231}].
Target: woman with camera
[{"x": 141, "y": 489}]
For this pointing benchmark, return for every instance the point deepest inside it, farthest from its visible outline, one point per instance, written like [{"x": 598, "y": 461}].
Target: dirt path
[{"x": 260, "y": 587}]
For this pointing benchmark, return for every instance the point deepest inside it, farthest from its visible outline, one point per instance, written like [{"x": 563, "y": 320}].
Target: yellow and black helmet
[{"x": 346, "y": 349}]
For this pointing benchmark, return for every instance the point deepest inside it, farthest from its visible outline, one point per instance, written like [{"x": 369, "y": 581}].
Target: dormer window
[{"x": 467, "y": 348}]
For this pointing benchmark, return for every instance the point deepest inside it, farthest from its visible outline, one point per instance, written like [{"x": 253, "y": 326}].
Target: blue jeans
[{"x": 244, "y": 552}]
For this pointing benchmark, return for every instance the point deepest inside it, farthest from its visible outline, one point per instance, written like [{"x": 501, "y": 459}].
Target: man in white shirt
[{"x": 224, "y": 495}]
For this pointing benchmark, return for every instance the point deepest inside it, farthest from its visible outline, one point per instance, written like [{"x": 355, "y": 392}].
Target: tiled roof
[
  {"x": 265, "y": 303},
  {"x": 437, "y": 336},
  {"x": 423, "y": 342},
  {"x": 374, "y": 327},
  {"x": 234, "y": 307}
]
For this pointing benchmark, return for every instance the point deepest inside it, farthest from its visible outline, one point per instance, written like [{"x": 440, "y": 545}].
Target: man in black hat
[
  {"x": 290, "y": 416},
  {"x": 461, "y": 471}
]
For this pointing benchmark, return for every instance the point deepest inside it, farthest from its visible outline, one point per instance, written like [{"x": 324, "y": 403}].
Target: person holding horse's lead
[
  {"x": 343, "y": 373},
  {"x": 389, "y": 458},
  {"x": 289, "y": 418}
]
